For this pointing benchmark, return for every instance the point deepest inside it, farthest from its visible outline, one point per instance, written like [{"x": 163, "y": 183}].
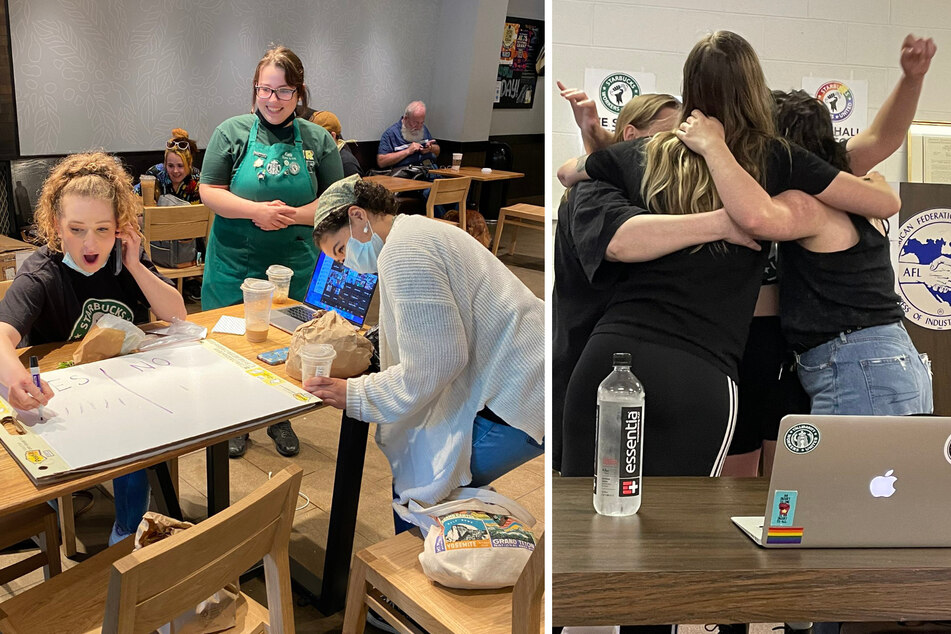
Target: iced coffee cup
[
  {"x": 456, "y": 161},
  {"x": 147, "y": 183},
  {"x": 316, "y": 359},
  {"x": 280, "y": 276},
  {"x": 257, "y": 308}
]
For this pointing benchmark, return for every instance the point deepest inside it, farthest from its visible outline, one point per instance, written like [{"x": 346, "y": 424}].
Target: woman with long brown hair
[
  {"x": 262, "y": 174},
  {"x": 685, "y": 316}
]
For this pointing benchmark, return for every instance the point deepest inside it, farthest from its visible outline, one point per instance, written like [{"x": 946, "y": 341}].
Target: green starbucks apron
[{"x": 238, "y": 248}]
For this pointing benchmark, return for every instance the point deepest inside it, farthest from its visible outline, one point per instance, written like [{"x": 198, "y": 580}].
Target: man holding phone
[{"x": 408, "y": 141}]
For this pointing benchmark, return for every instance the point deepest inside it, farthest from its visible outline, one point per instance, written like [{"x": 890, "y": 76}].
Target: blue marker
[{"x": 35, "y": 371}]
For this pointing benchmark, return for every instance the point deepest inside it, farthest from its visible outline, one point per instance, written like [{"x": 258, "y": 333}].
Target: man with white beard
[{"x": 408, "y": 141}]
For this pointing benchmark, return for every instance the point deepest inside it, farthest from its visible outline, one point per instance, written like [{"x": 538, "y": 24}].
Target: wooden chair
[
  {"x": 179, "y": 222},
  {"x": 139, "y": 591},
  {"x": 446, "y": 191},
  {"x": 520, "y": 215},
  {"x": 391, "y": 569},
  {"x": 38, "y": 521}
]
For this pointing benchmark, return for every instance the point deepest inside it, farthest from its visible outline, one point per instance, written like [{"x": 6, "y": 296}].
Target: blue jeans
[
  {"x": 496, "y": 450},
  {"x": 868, "y": 372},
  {"x": 132, "y": 501}
]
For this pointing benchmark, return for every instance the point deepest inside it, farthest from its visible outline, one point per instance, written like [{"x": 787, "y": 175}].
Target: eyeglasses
[
  {"x": 284, "y": 94},
  {"x": 181, "y": 145}
]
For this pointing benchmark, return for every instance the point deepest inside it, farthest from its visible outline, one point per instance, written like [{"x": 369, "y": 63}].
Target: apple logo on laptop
[{"x": 883, "y": 486}]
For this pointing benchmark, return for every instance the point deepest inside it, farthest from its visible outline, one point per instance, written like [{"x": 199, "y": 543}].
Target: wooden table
[
  {"x": 681, "y": 560},
  {"x": 519, "y": 215},
  {"x": 395, "y": 185},
  {"x": 476, "y": 174},
  {"x": 18, "y": 492}
]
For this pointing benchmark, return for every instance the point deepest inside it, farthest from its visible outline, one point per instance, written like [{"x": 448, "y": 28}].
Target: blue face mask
[
  {"x": 361, "y": 256},
  {"x": 71, "y": 263}
]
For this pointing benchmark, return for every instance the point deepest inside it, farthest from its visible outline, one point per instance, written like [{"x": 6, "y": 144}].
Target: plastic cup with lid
[
  {"x": 316, "y": 359},
  {"x": 280, "y": 276},
  {"x": 257, "y": 308}
]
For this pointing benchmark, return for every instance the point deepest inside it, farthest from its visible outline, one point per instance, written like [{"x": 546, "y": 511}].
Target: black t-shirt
[
  {"x": 584, "y": 280},
  {"x": 823, "y": 294},
  {"x": 700, "y": 301},
  {"x": 50, "y": 302}
]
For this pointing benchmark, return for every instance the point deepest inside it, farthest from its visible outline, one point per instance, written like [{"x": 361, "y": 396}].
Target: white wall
[
  {"x": 858, "y": 39},
  {"x": 120, "y": 74},
  {"x": 528, "y": 120}
]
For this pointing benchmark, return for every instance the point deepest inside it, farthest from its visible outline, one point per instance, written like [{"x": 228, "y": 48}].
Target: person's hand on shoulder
[
  {"x": 916, "y": 54},
  {"x": 333, "y": 392},
  {"x": 701, "y": 133}
]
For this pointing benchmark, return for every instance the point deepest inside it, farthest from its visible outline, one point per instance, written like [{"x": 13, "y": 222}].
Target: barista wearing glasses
[
  {"x": 177, "y": 174},
  {"x": 261, "y": 175}
]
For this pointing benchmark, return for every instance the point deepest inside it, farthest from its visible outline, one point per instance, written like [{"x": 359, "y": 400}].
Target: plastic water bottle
[{"x": 620, "y": 441}]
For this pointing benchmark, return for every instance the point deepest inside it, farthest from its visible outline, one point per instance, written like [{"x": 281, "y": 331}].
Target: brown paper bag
[
  {"x": 216, "y": 613},
  {"x": 98, "y": 344},
  {"x": 353, "y": 349}
]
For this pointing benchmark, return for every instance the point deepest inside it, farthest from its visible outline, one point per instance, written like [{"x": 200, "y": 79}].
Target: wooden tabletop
[
  {"x": 394, "y": 184},
  {"x": 18, "y": 492},
  {"x": 681, "y": 560},
  {"x": 525, "y": 210},
  {"x": 475, "y": 173}
]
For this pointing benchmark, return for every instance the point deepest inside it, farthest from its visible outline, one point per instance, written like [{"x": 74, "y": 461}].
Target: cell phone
[
  {"x": 117, "y": 253},
  {"x": 274, "y": 357}
]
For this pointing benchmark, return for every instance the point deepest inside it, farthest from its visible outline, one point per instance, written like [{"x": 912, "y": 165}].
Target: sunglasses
[{"x": 181, "y": 145}]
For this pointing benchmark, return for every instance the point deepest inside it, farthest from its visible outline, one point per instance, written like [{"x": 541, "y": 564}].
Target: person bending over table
[
  {"x": 176, "y": 175},
  {"x": 66, "y": 285},
  {"x": 460, "y": 398},
  {"x": 262, "y": 174}
]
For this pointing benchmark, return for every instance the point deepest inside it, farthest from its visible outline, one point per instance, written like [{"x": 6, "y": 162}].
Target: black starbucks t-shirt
[{"x": 49, "y": 302}]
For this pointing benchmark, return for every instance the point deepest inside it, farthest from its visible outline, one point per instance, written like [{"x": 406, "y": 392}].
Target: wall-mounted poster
[
  {"x": 522, "y": 40},
  {"x": 929, "y": 152}
]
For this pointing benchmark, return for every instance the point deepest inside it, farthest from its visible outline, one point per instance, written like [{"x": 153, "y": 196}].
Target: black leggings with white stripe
[{"x": 689, "y": 415}]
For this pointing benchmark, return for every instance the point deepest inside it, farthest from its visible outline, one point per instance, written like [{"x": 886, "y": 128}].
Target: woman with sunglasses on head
[
  {"x": 262, "y": 174},
  {"x": 176, "y": 175}
]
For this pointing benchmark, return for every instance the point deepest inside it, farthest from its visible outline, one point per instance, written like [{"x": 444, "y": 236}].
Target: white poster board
[
  {"x": 847, "y": 101},
  {"x": 112, "y": 412},
  {"x": 611, "y": 89}
]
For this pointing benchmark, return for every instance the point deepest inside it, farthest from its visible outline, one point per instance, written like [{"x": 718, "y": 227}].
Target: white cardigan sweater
[{"x": 458, "y": 332}]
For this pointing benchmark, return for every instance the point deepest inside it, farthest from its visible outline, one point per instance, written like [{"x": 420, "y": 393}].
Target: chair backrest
[
  {"x": 178, "y": 222},
  {"x": 4, "y": 287},
  {"x": 528, "y": 591},
  {"x": 446, "y": 191},
  {"x": 155, "y": 584}
]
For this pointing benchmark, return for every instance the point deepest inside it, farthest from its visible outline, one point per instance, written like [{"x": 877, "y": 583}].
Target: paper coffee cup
[
  {"x": 316, "y": 359},
  {"x": 456, "y": 160}
]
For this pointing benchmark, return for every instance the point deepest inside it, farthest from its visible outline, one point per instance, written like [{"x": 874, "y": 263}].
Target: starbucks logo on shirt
[
  {"x": 838, "y": 98},
  {"x": 617, "y": 89},
  {"x": 93, "y": 309}
]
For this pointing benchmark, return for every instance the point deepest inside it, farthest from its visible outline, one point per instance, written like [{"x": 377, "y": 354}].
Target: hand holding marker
[{"x": 35, "y": 371}]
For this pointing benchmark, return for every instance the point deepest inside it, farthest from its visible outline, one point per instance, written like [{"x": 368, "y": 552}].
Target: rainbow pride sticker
[{"x": 781, "y": 535}]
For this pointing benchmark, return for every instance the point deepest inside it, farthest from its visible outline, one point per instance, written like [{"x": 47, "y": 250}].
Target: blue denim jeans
[
  {"x": 496, "y": 450},
  {"x": 868, "y": 372},
  {"x": 132, "y": 493}
]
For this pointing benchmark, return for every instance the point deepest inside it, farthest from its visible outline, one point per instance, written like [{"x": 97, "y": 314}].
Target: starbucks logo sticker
[
  {"x": 617, "y": 89},
  {"x": 801, "y": 438},
  {"x": 838, "y": 99},
  {"x": 924, "y": 268}
]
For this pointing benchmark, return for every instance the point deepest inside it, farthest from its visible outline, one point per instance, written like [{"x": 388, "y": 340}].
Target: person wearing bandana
[
  {"x": 262, "y": 174},
  {"x": 460, "y": 398}
]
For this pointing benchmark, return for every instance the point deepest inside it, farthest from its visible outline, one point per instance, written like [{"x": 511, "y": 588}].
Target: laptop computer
[
  {"x": 332, "y": 287},
  {"x": 857, "y": 481}
]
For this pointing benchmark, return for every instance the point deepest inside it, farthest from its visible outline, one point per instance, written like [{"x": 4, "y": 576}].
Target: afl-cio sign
[{"x": 924, "y": 268}]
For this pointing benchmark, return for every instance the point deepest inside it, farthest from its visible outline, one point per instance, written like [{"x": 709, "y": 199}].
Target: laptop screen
[{"x": 335, "y": 287}]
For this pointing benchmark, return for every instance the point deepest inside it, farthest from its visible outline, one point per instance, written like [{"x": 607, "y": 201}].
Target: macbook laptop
[
  {"x": 332, "y": 287},
  {"x": 857, "y": 481}
]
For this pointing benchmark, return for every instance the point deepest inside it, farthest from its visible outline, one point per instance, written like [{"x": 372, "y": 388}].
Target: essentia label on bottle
[{"x": 629, "y": 479}]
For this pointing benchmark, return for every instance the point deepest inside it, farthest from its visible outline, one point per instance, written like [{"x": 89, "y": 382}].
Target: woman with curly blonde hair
[
  {"x": 176, "y": 175},
  {"x": 92, "y": 263}
]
